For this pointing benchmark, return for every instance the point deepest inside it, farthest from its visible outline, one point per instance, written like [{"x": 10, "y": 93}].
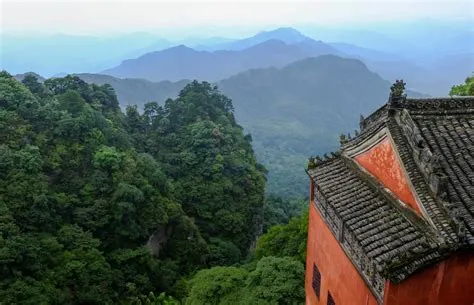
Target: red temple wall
[
  {"x": 448, "y": 282},
  {"x": 338, "y": 274},
  {"x": 381, "y": 161}
]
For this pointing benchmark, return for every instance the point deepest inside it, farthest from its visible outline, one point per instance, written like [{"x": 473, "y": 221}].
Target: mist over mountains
[
  {"x": 291, "y": 112},
  {"x": 294, "y": 94},
  {"x": 425, "y": 70},
  {"x": 430, "y": 55},
  {"x": 182, "y": 62}
]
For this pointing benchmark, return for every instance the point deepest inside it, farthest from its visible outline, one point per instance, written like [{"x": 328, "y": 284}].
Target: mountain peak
[
  {"x": 180, "y": 47},
  {"x": 286, "y": 34},
  {"x": 176, "y": 50},
  {"x": 284, "y": 30}
]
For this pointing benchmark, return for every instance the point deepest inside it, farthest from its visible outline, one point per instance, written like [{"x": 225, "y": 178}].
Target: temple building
[{"x": 391, "y": 217}]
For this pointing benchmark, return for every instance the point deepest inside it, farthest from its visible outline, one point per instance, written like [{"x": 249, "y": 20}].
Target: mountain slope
[
  {"x": 291, "y": 112},
  {"x": 136, "y": 91},
  {"x": 20, "y": 77},
  {"x": 182, "y": 62},
  {"x": 301, "y": 110}
]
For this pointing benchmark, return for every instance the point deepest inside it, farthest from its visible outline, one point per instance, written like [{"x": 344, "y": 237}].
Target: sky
[{"x": 113, "y": 17}]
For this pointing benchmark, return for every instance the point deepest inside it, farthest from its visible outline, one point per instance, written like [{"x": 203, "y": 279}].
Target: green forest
[{"x": 161, "y": 206}]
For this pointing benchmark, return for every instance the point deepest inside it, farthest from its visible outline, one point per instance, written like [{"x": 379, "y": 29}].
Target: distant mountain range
[
  {"x": 291, "y": 112},
  {"x": 286, "y": 45},
  {"x": 182, "y": 62},
  {"x": 430, "y": 55}
]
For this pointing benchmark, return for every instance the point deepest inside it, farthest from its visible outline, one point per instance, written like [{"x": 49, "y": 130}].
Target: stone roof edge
[
  {"x": 317, "y": 161},
  {"x": 371, "y": 281},
  {"x": 366, "y": 143},
  {"x": 349, "y": 255},
  {"x": 374, "y": 117},
  {"x": 368, "y": 126},
  {"x": 434, "y": 104}
]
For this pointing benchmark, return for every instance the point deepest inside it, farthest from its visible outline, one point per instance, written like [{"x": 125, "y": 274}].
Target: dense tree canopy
[
  {"x": 273, "y": 280},
  {"x": 84, "y": 189},
  {"x": 209, "y": 162},
  {"x": 274, "y": 275},
  {"x": 285, "y": 240}
]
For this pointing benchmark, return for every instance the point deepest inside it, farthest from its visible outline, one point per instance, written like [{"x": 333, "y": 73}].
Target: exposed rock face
[{"x": 159, "y": 238}]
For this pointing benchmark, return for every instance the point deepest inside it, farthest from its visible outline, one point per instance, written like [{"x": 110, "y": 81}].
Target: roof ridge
[
  {"x": 368, "y": 126},
  {"x": 429, "y": 104},
  {"x": 314, "y": 162},
  {"x": 374, "y": 117},
  {"x": 454, "y": 97},
  {"x": 442, "y": 104}
]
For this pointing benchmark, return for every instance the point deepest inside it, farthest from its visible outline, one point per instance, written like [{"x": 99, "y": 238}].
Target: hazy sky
[{"x": 100, "y": 17}]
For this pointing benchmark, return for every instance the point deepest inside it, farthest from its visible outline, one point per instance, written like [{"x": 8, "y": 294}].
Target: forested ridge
[
  {"x": 163, "y": 206},
  {"x": 291, "y": 112}
]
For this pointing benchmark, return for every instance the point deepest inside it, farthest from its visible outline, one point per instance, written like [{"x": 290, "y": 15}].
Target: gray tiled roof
[
  {"x": 434, "y": 139},
  {"x": 452, "y": 139}
]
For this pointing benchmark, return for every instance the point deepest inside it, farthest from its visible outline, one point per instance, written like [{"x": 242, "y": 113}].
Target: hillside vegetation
[
  {"x": 291, "y": 113},
  {"x": 104, "y": 207}
]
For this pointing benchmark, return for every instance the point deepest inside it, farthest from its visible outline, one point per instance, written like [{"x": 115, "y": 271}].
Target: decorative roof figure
[{"x": 397, "y": 90}]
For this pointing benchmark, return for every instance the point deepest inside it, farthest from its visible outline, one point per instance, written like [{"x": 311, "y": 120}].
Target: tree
[
  {"x": 16, "y": 97},
  {"x": 79, "y": 204},
  {"x": 210, "y": 286},
  {"x": 285, "y": 240},
  {"x": 152, "y": 299},
  {"x": 275, "y": 281},
  {"x": 31, "y": 82},
  {"x": 61, "y": 85},
  {"x": 216, "y": 177},
  {"x": 466, "y": 89},
  {"x": 72, "y": 102}
]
